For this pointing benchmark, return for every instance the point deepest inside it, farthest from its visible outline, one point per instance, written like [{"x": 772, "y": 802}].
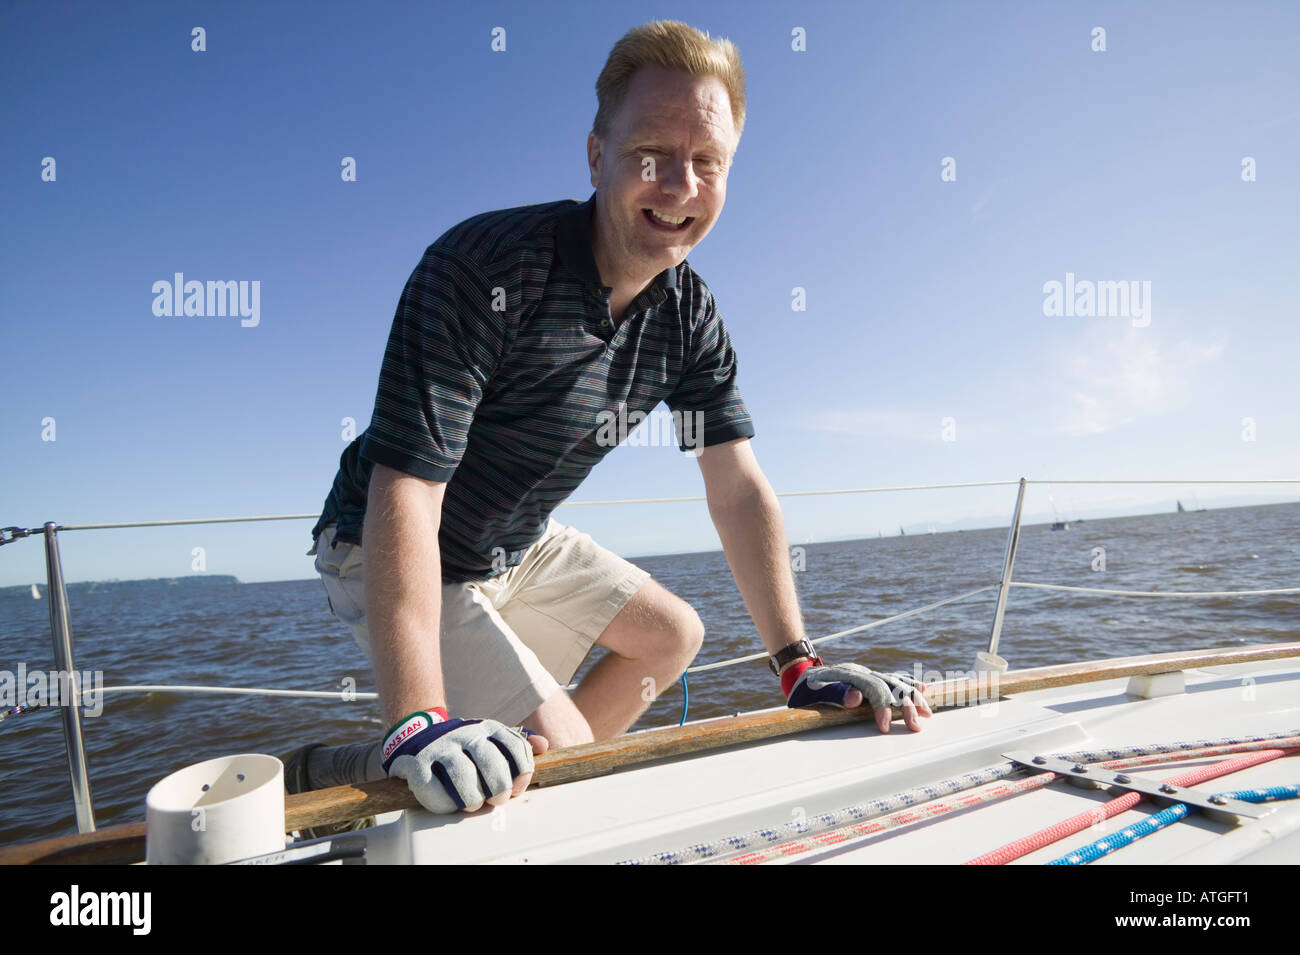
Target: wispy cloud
[
  {"x": 1279, "y": 120},
  {"x": 978, "y": 207},
  {"x": 1126, "y": 379}
]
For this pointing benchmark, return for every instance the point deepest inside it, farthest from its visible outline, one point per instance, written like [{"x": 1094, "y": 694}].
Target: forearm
[
  {"x": 403, "y": 601},
  {"x": 753, "y": 537}
]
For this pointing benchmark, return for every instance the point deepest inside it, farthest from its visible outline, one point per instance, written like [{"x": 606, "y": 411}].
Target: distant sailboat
[
  {"x": 901, "y": 532},
  {"x": 1181, "y": 509},
  {"x": 1057, "y": 523},
  {"x": 36, "y": 592}
]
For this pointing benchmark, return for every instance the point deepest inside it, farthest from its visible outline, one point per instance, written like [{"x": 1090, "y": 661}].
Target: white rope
[
  {"x": 1157, "y": 593},
  {"x": 844, "y": 633},
  {"x": 680, "y": 500},
  {"x": 900, "y": 616},
  {"x": 705, "y": 667},
  {"x": 1179, "y": 481},
  {"x": 187, "y": 520},
  {"x": 846, "y": 490},
  {"x": 677, "y": 500},
  {"x": 344, "y": 695},
  {"x": 639, "y": 500}
]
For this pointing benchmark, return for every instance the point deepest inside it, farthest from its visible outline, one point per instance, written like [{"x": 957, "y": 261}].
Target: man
[{"x": 516, "y": 332}]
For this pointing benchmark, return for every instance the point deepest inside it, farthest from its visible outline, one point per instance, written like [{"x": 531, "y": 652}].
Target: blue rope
[
  {"x": 1163, "y": 818},
  {"x": 686, "y": 700}
]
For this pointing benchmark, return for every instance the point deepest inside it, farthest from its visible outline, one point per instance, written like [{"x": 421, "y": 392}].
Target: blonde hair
[{"x": 676, "y": 46}]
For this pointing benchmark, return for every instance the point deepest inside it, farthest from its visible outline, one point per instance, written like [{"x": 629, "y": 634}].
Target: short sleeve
[
  {"x": 442, "y": 351},
  {"x": 706, "y": 404}
]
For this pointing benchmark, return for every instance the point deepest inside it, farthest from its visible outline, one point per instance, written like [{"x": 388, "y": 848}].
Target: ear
[{"x": 593, "y": 159}]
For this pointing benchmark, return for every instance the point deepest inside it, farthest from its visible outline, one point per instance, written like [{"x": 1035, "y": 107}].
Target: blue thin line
[{"x": 1130, "y": 834}]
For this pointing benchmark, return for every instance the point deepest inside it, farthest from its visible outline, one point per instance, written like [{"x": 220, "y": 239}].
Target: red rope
[
  {"x": 860, "y": 831},
  {"x": 1123, "y": 803}
]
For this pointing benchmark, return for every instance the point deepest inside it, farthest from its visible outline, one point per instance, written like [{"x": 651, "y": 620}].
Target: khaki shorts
[{"x": 510, "y": 642}]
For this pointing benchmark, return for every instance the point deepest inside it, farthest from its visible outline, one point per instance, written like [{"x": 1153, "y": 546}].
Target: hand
[
  {"x": 847, "y": 685},
  {"x": 454, "y": 764}
]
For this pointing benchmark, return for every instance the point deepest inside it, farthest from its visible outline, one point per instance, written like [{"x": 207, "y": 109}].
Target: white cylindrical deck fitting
[{"x": 217, "y": 811}]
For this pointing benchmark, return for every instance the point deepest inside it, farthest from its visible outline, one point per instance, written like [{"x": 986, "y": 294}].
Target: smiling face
[{"x": 668, "y": 150}]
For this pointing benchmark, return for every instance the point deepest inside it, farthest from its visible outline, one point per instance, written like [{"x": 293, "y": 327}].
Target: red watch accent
[{"x": 792, "y": 673}]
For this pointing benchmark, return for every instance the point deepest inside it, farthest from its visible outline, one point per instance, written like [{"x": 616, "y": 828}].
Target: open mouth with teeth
[{"x": 667, "y": 223}]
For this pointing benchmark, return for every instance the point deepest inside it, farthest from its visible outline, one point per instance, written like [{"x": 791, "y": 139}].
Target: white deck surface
[{"x": 678, "y": 802}]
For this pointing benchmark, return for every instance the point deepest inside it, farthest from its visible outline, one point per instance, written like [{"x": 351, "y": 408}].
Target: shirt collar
[{"x": 573, "y": 241}]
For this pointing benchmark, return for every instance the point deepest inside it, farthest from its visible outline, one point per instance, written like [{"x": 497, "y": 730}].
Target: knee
[
  {"x": 688, "y": 635},
  {"x": 675, "y": 638},
  {"x": 656, "y": 625}
]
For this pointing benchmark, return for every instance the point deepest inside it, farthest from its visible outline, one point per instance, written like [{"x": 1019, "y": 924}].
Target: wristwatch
[{"x": 793, "y": 652}]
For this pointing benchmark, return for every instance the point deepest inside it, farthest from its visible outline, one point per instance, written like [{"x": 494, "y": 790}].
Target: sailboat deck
[{"x": 678, "y": 802}]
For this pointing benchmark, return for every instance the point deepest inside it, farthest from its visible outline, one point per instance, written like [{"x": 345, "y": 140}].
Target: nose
[{"x": 677, "y": 179}]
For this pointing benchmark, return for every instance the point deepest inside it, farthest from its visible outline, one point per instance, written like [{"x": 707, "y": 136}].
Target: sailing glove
[
  {"x": 453, "y": 764},
  {"x": 810, "y": 682}
]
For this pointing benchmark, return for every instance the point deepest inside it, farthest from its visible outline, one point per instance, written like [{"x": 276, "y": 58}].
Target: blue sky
[{"x": 925, "y": 297}]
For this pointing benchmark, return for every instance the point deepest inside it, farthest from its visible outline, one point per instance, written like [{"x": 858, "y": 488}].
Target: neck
[{"x": 626, "y": 285}]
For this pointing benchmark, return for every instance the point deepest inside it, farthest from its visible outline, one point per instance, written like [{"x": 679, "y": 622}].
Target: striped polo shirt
[{"x": 505, "y": 377}]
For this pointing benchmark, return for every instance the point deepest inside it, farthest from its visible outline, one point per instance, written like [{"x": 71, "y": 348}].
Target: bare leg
[{"x": 651, "y": 642}]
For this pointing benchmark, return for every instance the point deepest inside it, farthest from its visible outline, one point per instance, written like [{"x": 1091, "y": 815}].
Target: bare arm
[
  {"x": 404, "y": 591},
  {"x": 747, "y": 515},
  {"x": 748, "y": 518}
]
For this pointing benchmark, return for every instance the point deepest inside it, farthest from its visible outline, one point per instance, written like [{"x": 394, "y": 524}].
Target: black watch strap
[{"x": 793, "y": 652}]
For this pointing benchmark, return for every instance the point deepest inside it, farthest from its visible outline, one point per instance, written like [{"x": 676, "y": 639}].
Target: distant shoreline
[{"x": 192, "y": 582}]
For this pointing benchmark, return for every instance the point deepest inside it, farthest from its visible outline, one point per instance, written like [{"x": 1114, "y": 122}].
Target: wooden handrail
[{"x": 126, "y": 843}]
